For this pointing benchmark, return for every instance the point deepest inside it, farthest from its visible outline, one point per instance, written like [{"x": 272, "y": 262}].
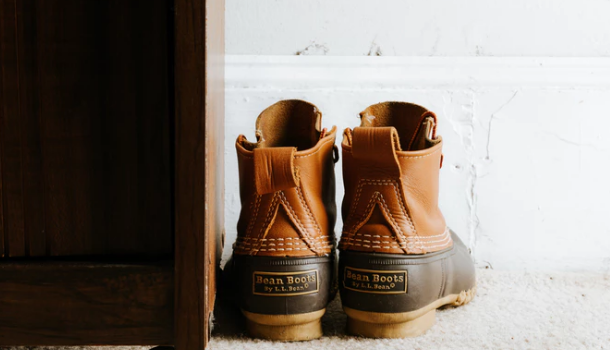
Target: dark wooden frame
[
  {"x": 170, "y": 302},
  {"x": 82, "y": 303},
  {"x": 199, "y": 127}
]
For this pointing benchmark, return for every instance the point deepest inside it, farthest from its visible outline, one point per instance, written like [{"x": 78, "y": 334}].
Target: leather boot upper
[
  {"x": 287, "y": 184},
  {"x": 391, "y": 174}
]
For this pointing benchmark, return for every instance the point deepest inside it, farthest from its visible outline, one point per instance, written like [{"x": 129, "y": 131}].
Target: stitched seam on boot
[
  {"x": 297, "y": 221},
  {"x": 382, "y": 182},
  {"x": 257, "y": 203},
  {"x": 308, "y": 210},
  {"x": 276, "y": 239},
  {"x": 317, "y": 244},
  {"x": 394, "y": 244},
  {"x": 378, "y": 198},
  {"x": 270, "y": 214}
]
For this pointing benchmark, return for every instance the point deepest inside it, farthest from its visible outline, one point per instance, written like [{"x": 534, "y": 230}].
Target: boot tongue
[
  {"x": 414, "y": 123},
  {"x": 289, "y": 123}
]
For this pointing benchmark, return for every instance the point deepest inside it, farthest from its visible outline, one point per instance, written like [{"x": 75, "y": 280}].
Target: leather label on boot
[
  {"x": 375, "y": 281},
  {"x": 282, "y": 284}
]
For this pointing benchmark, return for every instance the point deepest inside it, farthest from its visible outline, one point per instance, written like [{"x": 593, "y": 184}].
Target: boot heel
[
  {"x": 283, "y": 298},
  {"x": 388, "y": 325},
  {"x": 297, "y": 327}
]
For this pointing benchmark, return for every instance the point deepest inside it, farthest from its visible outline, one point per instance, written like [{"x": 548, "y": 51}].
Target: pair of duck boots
[{"x": 398, "y": 261}]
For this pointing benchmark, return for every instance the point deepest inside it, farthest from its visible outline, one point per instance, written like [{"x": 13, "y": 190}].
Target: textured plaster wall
[
  {"x": 522, "y": 89},
  {"x": 527, "y": 157},
  {"x": 571, "y": 28}
]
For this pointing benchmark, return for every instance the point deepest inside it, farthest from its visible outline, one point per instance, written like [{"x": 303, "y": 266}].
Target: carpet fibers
[{"x": 511, "y": 311}]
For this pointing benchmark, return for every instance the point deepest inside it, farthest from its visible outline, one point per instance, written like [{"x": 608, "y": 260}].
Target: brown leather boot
[
  {"x": 285, "y": 250},
  {"x": 398, "y": 260}
]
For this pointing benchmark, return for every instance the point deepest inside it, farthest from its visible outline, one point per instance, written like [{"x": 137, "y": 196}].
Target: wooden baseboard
[{"x": 78, "y": 303}]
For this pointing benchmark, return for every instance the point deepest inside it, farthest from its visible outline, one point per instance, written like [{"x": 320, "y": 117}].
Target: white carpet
[{"x": 511, "y": 311}]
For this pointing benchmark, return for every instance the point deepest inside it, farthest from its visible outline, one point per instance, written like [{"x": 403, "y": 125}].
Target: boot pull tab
[
  {"x": 274, "y": 169},
  {"x": 430, "y": 120},
  {"x": 434, "y": 121},
  {"x": 376, "y": 147}
]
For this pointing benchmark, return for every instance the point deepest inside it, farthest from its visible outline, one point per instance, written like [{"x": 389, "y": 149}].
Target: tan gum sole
[
  {"x": 402, "y": 324},
  {"x": 296, "y": 327}
]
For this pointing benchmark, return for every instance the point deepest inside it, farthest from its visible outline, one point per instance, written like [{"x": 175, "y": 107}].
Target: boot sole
[
  {"x": 284, "y": 298},
  {"x": 298, "y": 327},
  {"x": 396, "y": 295},
  {"x": 403, "y": 324}
]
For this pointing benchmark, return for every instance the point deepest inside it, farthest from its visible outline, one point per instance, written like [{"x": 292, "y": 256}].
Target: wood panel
[
  {"x": 69, "y": 303},
  {"x": 85, "y": 128},
  {"x": 10, "y": 152},
  {"x": 199, "y": 55}
]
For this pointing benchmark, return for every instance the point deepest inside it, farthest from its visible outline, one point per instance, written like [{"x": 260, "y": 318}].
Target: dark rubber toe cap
[{"x": 392, "y": 283}]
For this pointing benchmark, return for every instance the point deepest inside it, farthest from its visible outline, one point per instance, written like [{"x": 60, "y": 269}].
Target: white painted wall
[
  {"x": 573, "y": 28},
  {"x": 522, "y": 89},
  {"x": 525, "y": 180}
]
